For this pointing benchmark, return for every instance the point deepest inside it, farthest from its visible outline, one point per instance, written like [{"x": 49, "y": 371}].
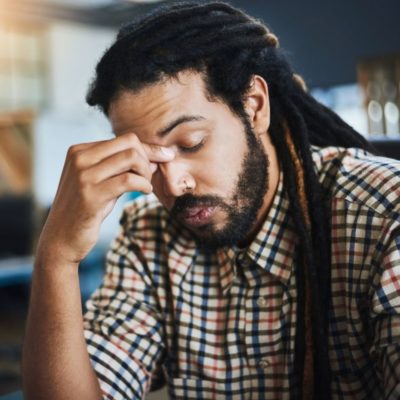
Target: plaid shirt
[{"x": 222, "y": 325}]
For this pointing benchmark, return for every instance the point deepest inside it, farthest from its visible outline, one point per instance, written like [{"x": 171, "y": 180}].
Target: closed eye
[{"x": 192, "y": 149}]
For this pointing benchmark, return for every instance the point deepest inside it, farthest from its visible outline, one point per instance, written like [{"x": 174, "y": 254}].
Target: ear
[{"x": 256, "y": 105}]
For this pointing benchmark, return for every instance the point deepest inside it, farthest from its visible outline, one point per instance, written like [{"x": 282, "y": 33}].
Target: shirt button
[
  {"x": 261, "y": 301},
  {"x": 264, "y": 363}
]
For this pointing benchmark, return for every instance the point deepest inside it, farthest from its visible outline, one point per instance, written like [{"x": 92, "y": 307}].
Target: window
[{"x": 22, "y": 68}]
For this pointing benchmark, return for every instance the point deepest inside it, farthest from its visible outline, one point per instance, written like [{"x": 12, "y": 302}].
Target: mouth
[{"x": 197, "y": 216}]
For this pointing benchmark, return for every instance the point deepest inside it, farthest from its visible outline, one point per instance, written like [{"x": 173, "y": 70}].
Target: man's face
[{"x": 217, "y": 156}]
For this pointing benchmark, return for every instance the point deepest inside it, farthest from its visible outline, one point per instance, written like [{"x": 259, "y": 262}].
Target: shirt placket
[{"x": 263, "y": 328}]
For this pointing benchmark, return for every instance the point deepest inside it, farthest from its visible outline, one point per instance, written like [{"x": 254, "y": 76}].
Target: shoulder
[{"x": 360, "y": 178}]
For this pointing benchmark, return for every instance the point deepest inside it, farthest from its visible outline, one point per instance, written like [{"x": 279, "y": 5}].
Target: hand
[{"x": 94, "y": 176}]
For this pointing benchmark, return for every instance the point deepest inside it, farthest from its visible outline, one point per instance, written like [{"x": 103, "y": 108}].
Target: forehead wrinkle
[
  {"x": 161, "y": 103},
  {"x": 130, "y": 121}
]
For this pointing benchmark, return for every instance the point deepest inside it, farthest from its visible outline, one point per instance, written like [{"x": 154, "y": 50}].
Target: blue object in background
[
  {"x": 91, "y": 271},
  {"x": 15, "y": 270},
  {"x": 18, "y": 271},
  {"x": 133, "y": 195},
  {"x": 12, "y": 396}
]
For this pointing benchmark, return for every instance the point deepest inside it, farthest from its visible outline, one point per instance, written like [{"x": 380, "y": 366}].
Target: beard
[{"x": 241, "y": 208}]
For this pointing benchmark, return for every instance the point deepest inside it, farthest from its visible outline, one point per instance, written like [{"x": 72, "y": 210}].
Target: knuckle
[
  {"x": 132, "y": 138},
  {"x": 72, "y": 150},
  {"x": 155, "y": 148},
  {"x": 127, "y": 179},
  {"x": 83, "y": 179},
  {"x": 131, "y": 153},
  {"x": 77, "y": 159}
]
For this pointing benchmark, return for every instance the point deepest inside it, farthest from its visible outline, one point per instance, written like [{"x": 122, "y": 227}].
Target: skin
[
  {"x": 95, "y": 175},
  {"x": 215, "y": 134}
]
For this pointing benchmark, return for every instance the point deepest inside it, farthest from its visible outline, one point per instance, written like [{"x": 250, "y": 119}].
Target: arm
[
  {"x": 124, "y": 325},
  {"x": 55, "y": 361},
  {"x": 386, "y": 311}
]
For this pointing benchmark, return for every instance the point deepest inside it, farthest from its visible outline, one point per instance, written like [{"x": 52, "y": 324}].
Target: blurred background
[{"x": 347, "y": 51}]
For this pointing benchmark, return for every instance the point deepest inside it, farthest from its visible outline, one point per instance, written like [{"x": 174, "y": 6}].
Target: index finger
[{"x": 156, "y": 153}]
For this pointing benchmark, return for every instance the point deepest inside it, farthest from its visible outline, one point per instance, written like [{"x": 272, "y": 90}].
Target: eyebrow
[{"x": 178, "y": 121}]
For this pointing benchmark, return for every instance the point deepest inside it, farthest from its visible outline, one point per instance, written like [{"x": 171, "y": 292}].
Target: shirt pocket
[{"x": 189, "y": 388}]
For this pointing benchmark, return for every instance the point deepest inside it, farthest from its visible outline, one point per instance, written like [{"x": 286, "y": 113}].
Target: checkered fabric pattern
[{"x": 222, "y": 325}]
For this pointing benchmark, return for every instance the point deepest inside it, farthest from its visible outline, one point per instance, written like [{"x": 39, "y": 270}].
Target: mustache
[{"x": 186, "y": 201}]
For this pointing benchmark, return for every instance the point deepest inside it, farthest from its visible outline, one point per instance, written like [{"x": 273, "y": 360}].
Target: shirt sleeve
[
  {"x": 123, "y": 326},
  {"x": 386, "y": 311}
]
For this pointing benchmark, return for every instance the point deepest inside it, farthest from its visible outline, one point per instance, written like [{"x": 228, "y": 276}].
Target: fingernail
[
  {"x": 168, "y": 152},
  {"x": 153, "y": 167}
]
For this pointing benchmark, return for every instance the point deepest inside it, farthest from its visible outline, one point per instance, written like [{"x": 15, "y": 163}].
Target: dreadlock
[{"x": 228, "y": 48}]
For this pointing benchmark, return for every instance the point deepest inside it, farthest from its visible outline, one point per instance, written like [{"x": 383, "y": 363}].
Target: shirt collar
[
  {"x": 181, "y": 249},
  {"x": 272, "y": 249}
]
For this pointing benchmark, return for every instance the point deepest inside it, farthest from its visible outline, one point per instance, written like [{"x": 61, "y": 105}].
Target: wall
[
  {"x": 324, "y": 39},
  {"x": 73, "y": 51}
]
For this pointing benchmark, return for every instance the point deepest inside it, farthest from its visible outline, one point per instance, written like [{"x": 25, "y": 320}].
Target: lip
[{"x": 197, "y": 216}]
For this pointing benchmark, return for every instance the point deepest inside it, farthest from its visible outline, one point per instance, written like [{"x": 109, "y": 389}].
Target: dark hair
[{"x": 229, "y": 47}]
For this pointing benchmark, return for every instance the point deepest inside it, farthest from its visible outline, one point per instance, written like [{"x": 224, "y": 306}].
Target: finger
[
  {"x": 153, "y": 167},
  {"x": 87, "y": 145},
  {"x": 87, "y": 154},
  {"x": 120, "y": 184},
  {"x": 79, "y": 147},
  {"x": 130, "y": 160},
  {"x": 157, "y": 153}
]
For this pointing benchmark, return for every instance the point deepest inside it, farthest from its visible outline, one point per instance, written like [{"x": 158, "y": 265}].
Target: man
[{"x": 266, "y": 266}]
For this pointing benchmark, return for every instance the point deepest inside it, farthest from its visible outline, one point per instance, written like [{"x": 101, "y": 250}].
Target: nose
[{"x": 175, "y": 179}]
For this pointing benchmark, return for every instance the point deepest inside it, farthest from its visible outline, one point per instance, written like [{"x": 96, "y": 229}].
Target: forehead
[{"x": 156, "y": 105}]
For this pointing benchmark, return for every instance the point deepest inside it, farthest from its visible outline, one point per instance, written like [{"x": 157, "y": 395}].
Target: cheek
[
  {"x": 222, "y": 171},
  {"x": 226, "y": 164}
]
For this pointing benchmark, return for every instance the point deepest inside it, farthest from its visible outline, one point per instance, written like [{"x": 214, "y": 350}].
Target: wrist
[
  {"x": 54, "y": 249},
  {"x": 54, "y": 260}
]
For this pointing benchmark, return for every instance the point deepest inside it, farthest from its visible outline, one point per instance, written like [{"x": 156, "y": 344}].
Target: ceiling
[
  {"x": 324, "y": 40},
  {"x": 96, "y": 3},
  {"x": 107, "y": 13}
]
